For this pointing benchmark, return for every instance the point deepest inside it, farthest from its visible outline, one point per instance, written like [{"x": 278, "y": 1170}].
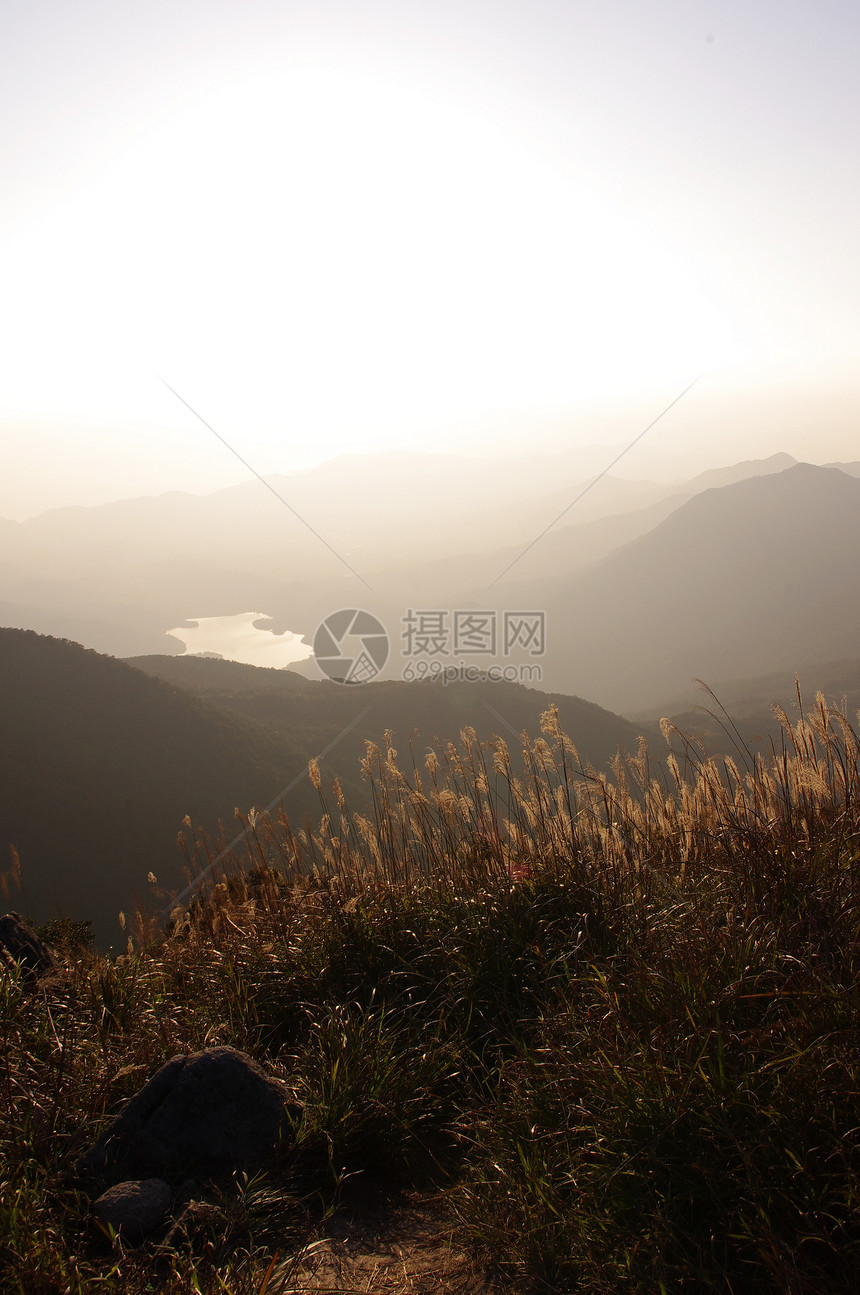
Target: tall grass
[{"x": 615, "y": 1014}]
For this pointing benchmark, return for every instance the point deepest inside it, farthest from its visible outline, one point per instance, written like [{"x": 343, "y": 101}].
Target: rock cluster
[{"x": 206, "y": 1113}]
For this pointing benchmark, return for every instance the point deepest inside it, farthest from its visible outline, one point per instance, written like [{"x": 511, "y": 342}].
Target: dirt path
[{"x": 402, "y": 1249}]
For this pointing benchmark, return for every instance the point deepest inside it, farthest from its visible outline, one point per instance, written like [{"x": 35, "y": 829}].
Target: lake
[{"x": 241, "y": 638}]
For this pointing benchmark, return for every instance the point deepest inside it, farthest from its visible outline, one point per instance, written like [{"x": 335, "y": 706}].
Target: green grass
[{"x": 616, "y": 1018}]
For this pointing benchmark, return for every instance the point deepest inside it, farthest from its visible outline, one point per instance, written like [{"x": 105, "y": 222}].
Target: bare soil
[{"x": 405, "y": 1248}]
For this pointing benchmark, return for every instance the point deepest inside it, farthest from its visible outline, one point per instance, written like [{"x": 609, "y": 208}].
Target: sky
[{"x": 482, "y": 226}]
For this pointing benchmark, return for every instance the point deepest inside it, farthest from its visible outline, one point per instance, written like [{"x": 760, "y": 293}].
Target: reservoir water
[{"x": 241, "y": 638}]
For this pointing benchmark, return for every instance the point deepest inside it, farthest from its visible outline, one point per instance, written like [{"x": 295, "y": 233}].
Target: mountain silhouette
[{"x": 742, "y": 580}]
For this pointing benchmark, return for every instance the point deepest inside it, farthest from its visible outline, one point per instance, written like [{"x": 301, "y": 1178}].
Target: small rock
[
  {"x": 207, "y": 1112},
  {"x": 18, "y": 943},
  {"x": 134, "y": 1208}
]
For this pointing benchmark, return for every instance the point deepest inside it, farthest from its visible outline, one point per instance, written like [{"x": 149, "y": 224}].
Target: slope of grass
[{"x": 616, "y": 1020}]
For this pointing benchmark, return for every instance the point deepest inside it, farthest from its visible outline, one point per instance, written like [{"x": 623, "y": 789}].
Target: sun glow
[{"x": 342, "y": 255}]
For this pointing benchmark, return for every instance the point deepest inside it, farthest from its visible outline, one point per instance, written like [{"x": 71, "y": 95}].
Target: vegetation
[
  {"x": 101, "y": 761},
  {"x": 615, "y": 1018}
]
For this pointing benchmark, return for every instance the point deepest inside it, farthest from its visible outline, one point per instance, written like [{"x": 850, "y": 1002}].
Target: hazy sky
[{"x": 437, "y": 224}]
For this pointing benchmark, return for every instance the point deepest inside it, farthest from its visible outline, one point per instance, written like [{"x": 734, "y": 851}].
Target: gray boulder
[
  {"x": 134, "y": 1209},
  {"x": 207, "y": 1112},
  {"x": 18, "y": 943}
]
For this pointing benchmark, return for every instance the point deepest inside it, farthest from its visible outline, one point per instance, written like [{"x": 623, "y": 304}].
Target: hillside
[
  {"x": 339, "y": 720},
  {"x": 747, "y": 579},
  {"x": 536, "y": 1035},
  {"x": 100, "y": 764},
  {"x": 281, "y": 703},
  {"x": 579, "y": 540},
  {"x": 101, "y": 761}
]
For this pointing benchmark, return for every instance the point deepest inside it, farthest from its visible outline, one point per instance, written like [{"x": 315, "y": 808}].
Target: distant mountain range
[
  {"x": 739, "y": 581},
  {"x": 736, "y": 572},
  {"x": 122, "y": 573},
  {"x": 101, "y": 759}
]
